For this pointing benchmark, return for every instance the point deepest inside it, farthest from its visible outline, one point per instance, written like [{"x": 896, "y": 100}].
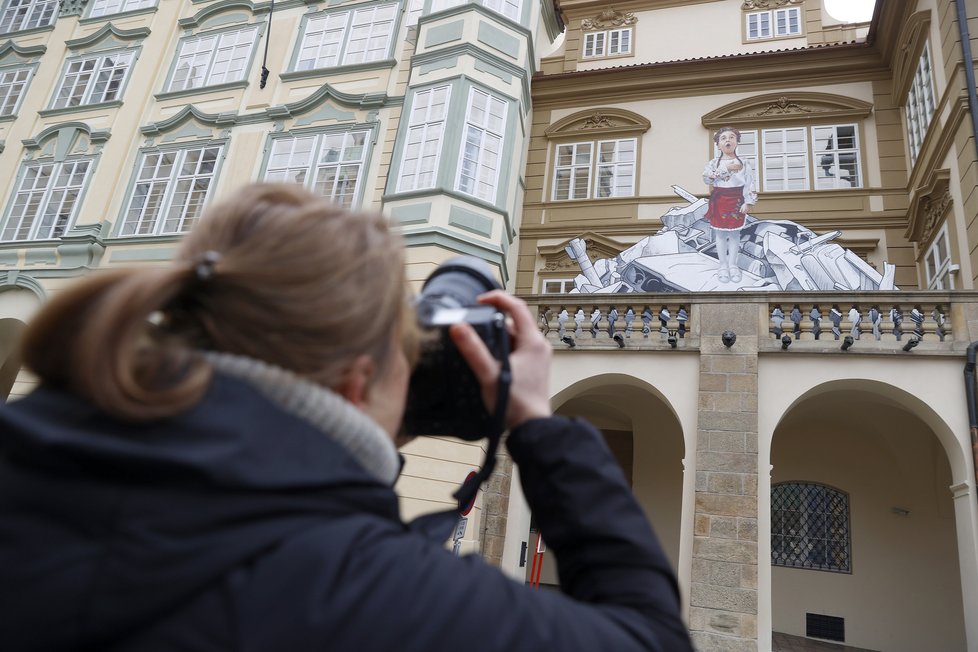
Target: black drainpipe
[
  {"x": 969, "y": 390},
  {"x": 969, "y": 367}
]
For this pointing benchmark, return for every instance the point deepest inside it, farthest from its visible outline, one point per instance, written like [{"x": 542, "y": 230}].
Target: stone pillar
[
  {"x": 495, "y": 507},
  {"x": 723, "y": 588}
]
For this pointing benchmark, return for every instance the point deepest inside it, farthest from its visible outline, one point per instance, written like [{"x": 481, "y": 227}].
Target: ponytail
[{"x": 97, "y": 340}]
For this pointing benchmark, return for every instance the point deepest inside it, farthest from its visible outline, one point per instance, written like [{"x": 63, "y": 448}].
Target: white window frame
[
  {"x": 482, "y": 145},
  {"x": 592, "y": 170},
  {"x": 107, "y": 63},
  {"x": 41, "y": 197},
  {"x": 767, "y": 157},
  {"x": 610, "y": 43},
  {"x": 176, "y": 190},
  {"x": 216, "y": 53},
  {"x": 619, "y": 167},
  {"x": 919, "y": 109},
  {"x": 13, "y": 84},
  {"x": 512, "y": 9},
  {"x": 773, "y": 23},
  {"x": 341, "y": 33},
  {"x": 564, "y": 285},
  {"x": 575, "y": 170},
  {"x": 22, "y": 15},
  {"x": 421, "y": 156},
  {"x": 109, "y": 7},
  {"x": 937, "y": 262},
  {"x": 303, "y": 157},
  {"x": 819, "y": 158}
]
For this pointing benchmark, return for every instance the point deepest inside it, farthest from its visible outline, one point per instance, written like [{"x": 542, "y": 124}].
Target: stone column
[
  {"x": 495, "y": 506},
  {"x": 723, "y": 589}
]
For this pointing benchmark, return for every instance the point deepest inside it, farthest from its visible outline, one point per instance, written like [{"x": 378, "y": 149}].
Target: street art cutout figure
[
  {"x": 896, "y": 317},
  {"x": 875, "y": 318},
  {"x": 714, "y": 244},
  {"x": 777, "y": 316},
  {"x": 836, "y": 318},
  {"x": 796, "y": 320},
  {"x": 733, "y": 191},
  {"x": 855, "y": 318},
  {"x": 816, "y": 317}
]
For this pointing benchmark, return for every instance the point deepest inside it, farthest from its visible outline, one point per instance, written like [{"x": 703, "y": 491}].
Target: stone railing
[{"x": 938, "y": 322}]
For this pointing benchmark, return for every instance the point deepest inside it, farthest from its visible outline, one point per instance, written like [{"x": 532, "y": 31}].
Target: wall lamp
[
  {"x": 617, "y": 337},
  {"x": 847, "y": 343},
  {"x": 728, "y": 338},
  {"x": 911, "y": 343},
  {"x": 569, "y": 341},
  {"x": 785, "y": 342}
]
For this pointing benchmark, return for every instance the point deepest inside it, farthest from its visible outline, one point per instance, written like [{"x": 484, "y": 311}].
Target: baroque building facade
[{"x": 802, "y": 487}]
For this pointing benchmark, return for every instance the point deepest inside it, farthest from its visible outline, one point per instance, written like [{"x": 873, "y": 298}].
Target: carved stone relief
[
  {"x": 768, "y": 4},
  {"x": 609, "y": 18}
]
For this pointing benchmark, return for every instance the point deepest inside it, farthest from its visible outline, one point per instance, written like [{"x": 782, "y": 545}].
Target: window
[
  {"x": 823, "y": 157},
  {"x": 13, "y": 84},
  {"x": 27, "y": 14},
  {"x": 558, "y": 286},
  {"x": 347, "y": 37},
  {"x": 810, "y": 527},
  {"x": 485, "y": 123},
  {"x": 920, "y": 105},
  {"x": 937, "y": 263},
  {"x": 328, "y": 164},
  {"x": 509, "y": 8},
  {"x": 774, "y": 24},
  {"x": 170, "y": 190},
  {"x": 212, "y": 59},
  {"x": 46, "y": 199},
  {"x": 615, "y": 169},
  {"x": 785, "y": 159},
  {"x": 608, "y": 44},
  {"x": 106, "y": 7},
  {"x": 835, "y": 157},
  {"x": 93, "y": 79},
  {"x": 426, "y": 127}
]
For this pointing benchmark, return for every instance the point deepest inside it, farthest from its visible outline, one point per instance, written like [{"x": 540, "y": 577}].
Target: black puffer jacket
[{"x": 238, "y": 526}]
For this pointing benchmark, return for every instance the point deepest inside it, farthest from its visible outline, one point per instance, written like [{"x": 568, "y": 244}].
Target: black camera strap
[{"x": 440, "y": 525}]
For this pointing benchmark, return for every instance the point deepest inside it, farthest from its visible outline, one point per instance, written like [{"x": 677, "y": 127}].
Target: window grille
[{"x": 810, "y": 527}]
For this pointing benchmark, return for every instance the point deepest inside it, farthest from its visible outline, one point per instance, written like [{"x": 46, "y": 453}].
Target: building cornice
[{"x": 743, "y": 72}]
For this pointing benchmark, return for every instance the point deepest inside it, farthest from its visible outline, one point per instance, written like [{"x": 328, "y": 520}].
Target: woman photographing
[{"x": 209, "y": 460}]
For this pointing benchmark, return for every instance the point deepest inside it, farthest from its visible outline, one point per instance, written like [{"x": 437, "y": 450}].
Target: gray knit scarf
[{"x": 322, "y": 408}]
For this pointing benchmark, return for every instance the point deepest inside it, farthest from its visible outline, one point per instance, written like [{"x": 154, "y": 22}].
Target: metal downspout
[{"x": 969, "y": 367}]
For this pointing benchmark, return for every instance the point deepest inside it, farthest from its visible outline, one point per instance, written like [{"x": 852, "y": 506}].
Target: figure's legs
[
  {"x": 723, "y": 271},
  {"x": 733, "y": 254}
]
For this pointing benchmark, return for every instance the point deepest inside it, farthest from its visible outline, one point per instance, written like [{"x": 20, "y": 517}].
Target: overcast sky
[{"x": 850, "y": 11}]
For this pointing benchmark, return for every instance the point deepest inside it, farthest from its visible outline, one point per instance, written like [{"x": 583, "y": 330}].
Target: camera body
[{"x": 444, "y": 396}]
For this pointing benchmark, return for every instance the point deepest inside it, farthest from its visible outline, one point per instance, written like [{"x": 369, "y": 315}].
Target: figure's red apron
[{"x": 724, "y": 211}]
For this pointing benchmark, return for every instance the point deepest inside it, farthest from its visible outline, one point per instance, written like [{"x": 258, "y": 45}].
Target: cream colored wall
[
  {"x": 933, "y": 391},
  {"x": 691, "y": 31},
  {"x": 904, "y": 592}
]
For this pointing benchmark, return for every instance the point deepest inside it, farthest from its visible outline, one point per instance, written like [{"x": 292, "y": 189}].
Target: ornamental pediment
[
  {"x": 787, "y": 107},
  {"x": 929, "y": 207},
  {"x": 603, "y": 121},
  {"x": 597, "y": 246}
]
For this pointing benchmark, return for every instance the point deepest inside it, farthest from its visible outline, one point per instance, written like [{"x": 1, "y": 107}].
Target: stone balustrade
[{"x": 672, "y": 321}]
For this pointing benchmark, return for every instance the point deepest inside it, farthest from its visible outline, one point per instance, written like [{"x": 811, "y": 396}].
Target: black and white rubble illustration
[{"x": 681, "y": 257}]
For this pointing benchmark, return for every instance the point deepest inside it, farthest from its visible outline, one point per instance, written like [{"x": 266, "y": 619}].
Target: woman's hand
[
  {"x": 745, "y": 208},
  {"x": 529, "y": 361}
]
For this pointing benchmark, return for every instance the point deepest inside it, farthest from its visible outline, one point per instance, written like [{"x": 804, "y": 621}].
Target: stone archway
[
  {"x": 19, "y": 301},
  {"x": 646, "y": 437},
  {"x": 900, "y": 586}
]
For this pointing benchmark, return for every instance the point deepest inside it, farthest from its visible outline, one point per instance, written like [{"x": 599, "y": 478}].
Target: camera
[{"x": 444, "y": 397}]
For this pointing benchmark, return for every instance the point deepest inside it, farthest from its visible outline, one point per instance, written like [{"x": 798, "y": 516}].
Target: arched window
[{"x": 810, "y": 527}]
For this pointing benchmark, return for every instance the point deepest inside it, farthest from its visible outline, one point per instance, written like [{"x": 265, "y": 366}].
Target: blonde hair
[{"x": 274, "y": 272}]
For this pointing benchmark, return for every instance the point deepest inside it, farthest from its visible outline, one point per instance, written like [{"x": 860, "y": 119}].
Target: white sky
[{"x": 850, "y": 11}]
